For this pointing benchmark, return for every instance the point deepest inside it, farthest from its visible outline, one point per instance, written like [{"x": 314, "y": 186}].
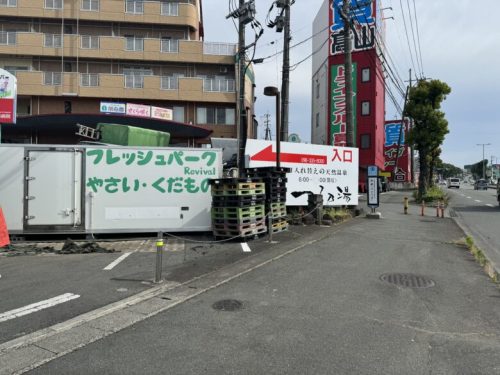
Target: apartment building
[{"x": 69, "y": 56}]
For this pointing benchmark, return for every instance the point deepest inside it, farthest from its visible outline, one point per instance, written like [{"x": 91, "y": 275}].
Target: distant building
[
  {"x": 328, "y": 82},
  {"x": 83, "y": 56}
]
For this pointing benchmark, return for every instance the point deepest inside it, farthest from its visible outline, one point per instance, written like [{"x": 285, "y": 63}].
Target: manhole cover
[
  {"x": 227, "y": 305},
  {"x": 407, "y": 280}
]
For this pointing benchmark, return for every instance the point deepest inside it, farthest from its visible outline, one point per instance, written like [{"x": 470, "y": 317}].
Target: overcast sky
[{"x": 459, "y": 42}]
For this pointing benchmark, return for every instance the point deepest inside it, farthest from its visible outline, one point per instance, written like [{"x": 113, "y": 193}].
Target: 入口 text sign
[{"x": 328, "y": 170}]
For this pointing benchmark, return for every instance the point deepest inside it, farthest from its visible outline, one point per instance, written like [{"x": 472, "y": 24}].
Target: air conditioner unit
[{"x": 223, "y": 69}]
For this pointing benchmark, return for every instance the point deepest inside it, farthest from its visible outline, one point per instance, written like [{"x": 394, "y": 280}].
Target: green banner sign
[{"x": 338, "y": 105}]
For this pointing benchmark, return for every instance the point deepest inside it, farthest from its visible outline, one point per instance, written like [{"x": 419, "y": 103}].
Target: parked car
[
  {"x": 481, "y": 184},
  {"x": 453, "y": 182}
]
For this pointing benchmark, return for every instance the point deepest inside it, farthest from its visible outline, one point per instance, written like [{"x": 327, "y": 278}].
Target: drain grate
[
  {"x": 227, "y": 305},
  {"x": 452, "y": 213},
  {"x": 407, "y": 280}
]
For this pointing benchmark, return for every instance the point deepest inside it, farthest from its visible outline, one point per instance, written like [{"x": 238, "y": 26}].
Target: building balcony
[
  {"x": 116, "y": 48},
  {"x": 107, "y": 86},
  {"x": 151, "y": 12}
]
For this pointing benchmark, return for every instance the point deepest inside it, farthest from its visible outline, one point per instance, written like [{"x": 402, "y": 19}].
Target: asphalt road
[
  {"x": 37, "y": 285},
  {"x": 324, "y": 309},
  {"x": 479, "y": 213}
]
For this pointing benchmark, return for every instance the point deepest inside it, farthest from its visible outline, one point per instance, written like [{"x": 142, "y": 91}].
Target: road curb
[{"x": 490, "y": 267}]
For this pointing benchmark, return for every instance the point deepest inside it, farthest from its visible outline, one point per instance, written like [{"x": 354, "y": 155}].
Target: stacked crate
[
  {"x": 238, "y": 208},
  {"x": 275, "y": 180}
]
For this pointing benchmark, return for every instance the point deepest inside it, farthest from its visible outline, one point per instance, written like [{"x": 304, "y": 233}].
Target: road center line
[
  {"x": 34, "y": 307},
  {"x": 477, "y": 200},
  {"x": 489, "y": 205},
  {"x": 115, "y": 262}
]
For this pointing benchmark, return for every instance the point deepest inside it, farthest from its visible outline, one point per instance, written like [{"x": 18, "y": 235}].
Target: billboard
[
  {"x": 393, "y": 132},
  {"x": 364, "y": 22},
  {"x": 111, "y": 107},
  {"x": 162, "y": 113},
  {"x": 8, "y": 97},
  {"x": 138, "y": 110},
  {"x": 337, "y": 126},
  {"x": 150, "y": 187},
  {"x": 326, "y": 170}
]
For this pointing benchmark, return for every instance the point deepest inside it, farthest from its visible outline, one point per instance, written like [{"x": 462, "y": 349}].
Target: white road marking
[
  {"x": 115, "y": 262},
  {"x": 34, "y": 307},
  {"x": 468, "y": 197},
  {"x": 246, "y": 248},
  {"x": 477, "y": 200},
  {"x": 489, "y": 205}
]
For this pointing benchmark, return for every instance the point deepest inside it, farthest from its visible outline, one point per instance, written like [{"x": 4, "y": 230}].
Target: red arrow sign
[{"x": 267, "y": 154}]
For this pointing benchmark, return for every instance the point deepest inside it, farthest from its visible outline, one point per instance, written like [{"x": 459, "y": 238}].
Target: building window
[
  {"x": 53, "y": 40},
  {"x": 15, "y": 69},
  {"x": 218, "y": 84},
  {"x": 213, "y": 115},
  {"x": 178, "y": 114},
  {"x": 8, "y": 3},
  {"x": 365, "y": 141},
  {"x": 365, "y": 75},
  {"x": 317, "y": 120},
  {"x": 134, "y": 6},
  {"x": 365, "y": 108},
  {"x": 170, "y": 82},
  {"x": 134, "y": 43},
  {"x": 317, "y": 89},
  {"x": 52, "y": 78},
  {"x": 92, "y": 5},
  {"x": 68, "y": 29},
  {"x": 54, "y": 4},
  {"x": 90, "y": 42},
  {"x": 169, "y": 9},
  {"x": 169, "y": 45},
  {"x": 89, "y": 79},
  {"x": 8, "y": 37}
]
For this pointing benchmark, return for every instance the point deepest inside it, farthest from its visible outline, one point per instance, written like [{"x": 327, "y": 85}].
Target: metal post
[
  {"x": 270, "y": 226},
  {"x": 406, "y": 205},
  {"x": 159, "y": 257},
  {"x": 278, "y": 130}
]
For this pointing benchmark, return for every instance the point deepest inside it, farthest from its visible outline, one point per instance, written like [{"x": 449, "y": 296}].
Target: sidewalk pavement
[{"x": 338, "y": 270}]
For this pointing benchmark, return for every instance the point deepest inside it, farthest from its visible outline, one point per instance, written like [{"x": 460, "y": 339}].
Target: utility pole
[
  {"x": 267, "y": 121},
  {"x": 345, "y": 14},
  {"x": 245, "y": 14},
  {"x": 484, "y": 164},
  {"x": 285, "y": 81},
  {"x": 241, "y": 103},
  {"x": 412, "y": 155}
]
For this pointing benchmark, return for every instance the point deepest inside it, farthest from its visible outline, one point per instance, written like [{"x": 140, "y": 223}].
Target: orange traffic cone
[{"x": 4, "y": 233}]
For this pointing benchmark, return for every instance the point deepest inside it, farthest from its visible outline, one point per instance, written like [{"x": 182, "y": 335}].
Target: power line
[
  {"x": 418, "y": 38},
  {"x": 413, "y": 36},
  {"x": 407, "y": 37}
]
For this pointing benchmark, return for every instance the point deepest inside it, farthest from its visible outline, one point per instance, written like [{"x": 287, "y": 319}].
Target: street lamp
[
  {"x": 273, "y": 91},
  {"x": 484, "y": 166}
]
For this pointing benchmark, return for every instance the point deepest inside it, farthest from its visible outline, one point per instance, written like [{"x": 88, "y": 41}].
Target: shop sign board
[{"x": 328, "y": 170}]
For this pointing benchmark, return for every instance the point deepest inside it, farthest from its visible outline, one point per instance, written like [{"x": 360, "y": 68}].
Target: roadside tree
[{"x": 430, "y": 126}]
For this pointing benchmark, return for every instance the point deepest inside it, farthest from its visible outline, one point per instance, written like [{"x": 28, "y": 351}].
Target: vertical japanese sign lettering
[
  {"x": 338, "y": 104},
  {"x": 392, "y": 134}
]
